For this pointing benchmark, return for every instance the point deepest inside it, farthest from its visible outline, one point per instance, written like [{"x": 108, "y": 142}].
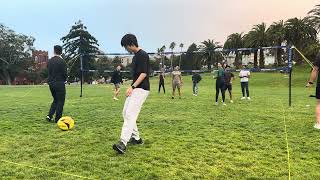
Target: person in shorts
[
  {"x": 176, "y": 82},
  {"x": 116, "y": 80},
  {"x": 228, "y": 78}
]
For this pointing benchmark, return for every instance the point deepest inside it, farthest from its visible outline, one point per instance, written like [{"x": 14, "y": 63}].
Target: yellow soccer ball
[{"x": 65, "y": 123}]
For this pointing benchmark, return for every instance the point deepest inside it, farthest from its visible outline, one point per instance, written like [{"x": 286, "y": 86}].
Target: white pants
[{"x": 130, "y": 114}]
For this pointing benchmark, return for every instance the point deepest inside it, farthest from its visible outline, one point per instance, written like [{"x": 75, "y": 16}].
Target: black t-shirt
[
  {"x": 161, "y": 77},
  {"x": 57, "y": 70},
  {"x": 227, "y": 77},
  {"x": 116, "y": 77},
  {"x": 140, "y": 64}
]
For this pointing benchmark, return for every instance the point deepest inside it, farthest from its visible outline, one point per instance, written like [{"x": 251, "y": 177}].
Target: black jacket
[
  {"x": 196, "y": 78},
  {"x": 57, "y": 70}
]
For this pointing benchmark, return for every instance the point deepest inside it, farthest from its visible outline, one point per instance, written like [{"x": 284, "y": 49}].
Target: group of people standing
[{"x": 224, "y": 78}]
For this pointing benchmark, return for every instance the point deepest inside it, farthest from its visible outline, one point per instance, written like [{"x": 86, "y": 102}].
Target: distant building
[
  {"x": 40, "y": 59},
  {"x": 126, "y": 60}
]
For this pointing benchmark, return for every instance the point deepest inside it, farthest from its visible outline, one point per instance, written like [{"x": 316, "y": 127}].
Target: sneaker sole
[{"x": 117, "y": 149}]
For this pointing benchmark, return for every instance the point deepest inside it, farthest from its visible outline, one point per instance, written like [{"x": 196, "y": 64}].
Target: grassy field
[{"x": 186, "y": 138}]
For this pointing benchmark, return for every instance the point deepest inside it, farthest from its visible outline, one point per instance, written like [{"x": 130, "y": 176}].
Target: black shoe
[
  {"x": 135, "y": 142},
  {"x": 120, "y": 148},
  {"x": 172, "y": 97},
  {"x": 49, "y": 119}
]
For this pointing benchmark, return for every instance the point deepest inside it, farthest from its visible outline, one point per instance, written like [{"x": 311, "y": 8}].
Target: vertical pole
[
  {"x": 81, "y": 69},
  {"x": 290, "y": 73}
]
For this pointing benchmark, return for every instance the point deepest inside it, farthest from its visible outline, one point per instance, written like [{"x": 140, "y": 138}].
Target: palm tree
[
  {"x": 235, "y": 41},
  {"x": 162, "y": 50},
  {"x": 181, "y": 46},
  {"x": 300, "y": 33},
  {"x": 314, "y": 17},
  {"x": 208, "y": 51},
  {"x": 257, "y": 37},
  {"x": 172, "y": 46},
  {"x": 276, "y": 36}
]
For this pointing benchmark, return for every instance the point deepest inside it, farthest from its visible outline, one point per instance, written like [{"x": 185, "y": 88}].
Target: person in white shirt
[{"x": 244, "y": 79}]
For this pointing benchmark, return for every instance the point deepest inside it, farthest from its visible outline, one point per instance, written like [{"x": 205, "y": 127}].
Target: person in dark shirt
[
  {"x": 57, "y": 76},
  {"x": 136, "y": 94},
  {"x": 315, "y": 75},
  {"x": 220, "y": 85},
  {"x": 161, "y": 81},
  {"x": 228, "y": 78},
  {"x": 116, "y": 79},
  {"x": 196, "y": 78}
]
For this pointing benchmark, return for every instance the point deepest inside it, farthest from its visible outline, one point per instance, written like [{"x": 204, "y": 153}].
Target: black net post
[{"x": 290, "y": 74}]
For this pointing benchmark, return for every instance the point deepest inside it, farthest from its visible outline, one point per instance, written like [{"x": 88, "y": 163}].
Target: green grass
[{"x": 184, "y": 139}]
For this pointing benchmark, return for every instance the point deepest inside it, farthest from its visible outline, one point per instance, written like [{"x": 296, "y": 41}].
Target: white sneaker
[
  {"x": 196, "y": 95},
  {"x": 248, "y": 98},
  {"x": 216, "y": 103},
  {"x": 243, "y": 98},
  {"x": 231, "y": 101},
  {"x": 224, "y": 104},
  {"x": 317, "y": 126},
  {"x": 116, "y": 99}
]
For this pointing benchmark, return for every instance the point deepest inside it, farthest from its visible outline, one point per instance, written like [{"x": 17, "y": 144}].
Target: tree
[
  {"x": 207, "y": 51},
  {"x": 256, "y": 38},
  {"x": 172, "y": 46},
  {"x": 181, "y": 46},
  {"x": 300, "y": 33},
  {"x": 190, "y": 59},
  {"x": 80, "y": 41},
  {"x": 162, "y": 50},
  {"x": 235, "y": 41},
  {"x": 314, "y": 17},
  {"x": 276, "y": 36},
  {"x": 15, "y": 53}
]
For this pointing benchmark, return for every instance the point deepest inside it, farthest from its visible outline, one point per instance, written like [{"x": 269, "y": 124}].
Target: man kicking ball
[
  {"x": 136, "y": 94},
  {"x": 57, "y": 76}
]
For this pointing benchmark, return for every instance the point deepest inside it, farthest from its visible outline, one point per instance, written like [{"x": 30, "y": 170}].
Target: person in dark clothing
[
  {"x": 136, "y": 94},
  {"x": 116, "y": 79},
  {"x": 315, "y": 78},
  {"x": 57, "y": 76},
  {"x": 228, "y": 78},
  {"x": 220, "y": 85},
  {"x": 161, "y": 82},
  {"x": 196, "y": 78}
]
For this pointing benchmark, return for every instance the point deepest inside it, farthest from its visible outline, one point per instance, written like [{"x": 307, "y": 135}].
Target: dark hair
[
  {"x": 57, "y": 49},
  {"x": 129, "y": 40}
]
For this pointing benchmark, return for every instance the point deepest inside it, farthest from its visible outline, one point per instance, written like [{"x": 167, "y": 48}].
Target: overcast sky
[{"x": 155, "y": 22}]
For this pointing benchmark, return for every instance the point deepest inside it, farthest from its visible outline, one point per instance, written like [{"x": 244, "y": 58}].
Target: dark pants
[
  {"x": 195, "y": 87},
  {"x": 161, "y": 83},
  {"x": 245, "y": 87},
  {"x": 58, "y": 92},
  {"x": 220, "y": 86}
]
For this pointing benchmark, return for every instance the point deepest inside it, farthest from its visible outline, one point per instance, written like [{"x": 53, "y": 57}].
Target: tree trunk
[
  {"x": 6, "y": 77},
  {"x": 255, "y": 59},
  {"x": 261, "y": 59},
  {"x": 237, "y": 60},
  {"x": 209, "y": 63}
]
